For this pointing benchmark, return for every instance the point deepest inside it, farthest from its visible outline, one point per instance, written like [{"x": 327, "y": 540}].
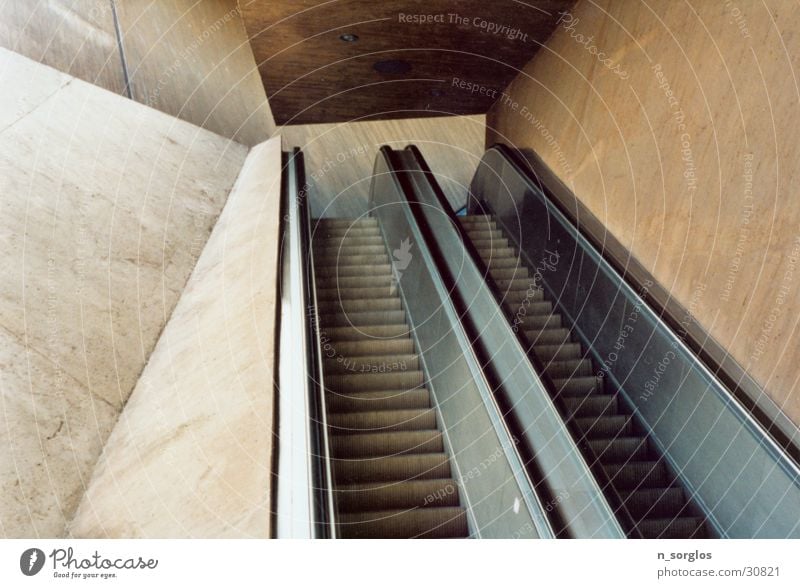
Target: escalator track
[
  {"x": 392, "y": 474},
  {"x": 607, "y": 432}
]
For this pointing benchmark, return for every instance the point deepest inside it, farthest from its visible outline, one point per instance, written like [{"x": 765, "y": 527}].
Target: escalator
[
  {"x": 491, "y": 375},
  {"x": 392, "y": 476},
  {"x": 604, "y": 425}
]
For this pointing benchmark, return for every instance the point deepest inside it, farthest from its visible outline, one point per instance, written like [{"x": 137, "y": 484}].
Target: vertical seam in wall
[{"x": 121, "y": 47}]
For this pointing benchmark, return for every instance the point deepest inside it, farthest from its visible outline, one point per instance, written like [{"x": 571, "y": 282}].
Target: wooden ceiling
[{"x": 313, "y": 76}]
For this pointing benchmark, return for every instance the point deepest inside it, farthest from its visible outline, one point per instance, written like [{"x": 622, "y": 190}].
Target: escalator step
[
  {"x": 495, "y": 251},
  {"x": 548, "y": 336},
  {"x": 478, "y": 220},
  {"x": 507, "y": 285},
  {"x": 371, "y": 364},
  {"x": 638, "y": 474},
  {"x": 569, "y": 368},
  {"x": 372, "y": 347},
  {"x": 510, "y": 262},
  {"x": 378, "y": 400},
  {"x": 348, "y": 305},
  {"x": 347, "y": 271},
  {"x": 509, "y": 273},
  {"x": 364, "y": 221},
  {"x": 343, "y": 293},
  {"x": 348, "y": 250},
  {"x": 334, "y": 260},
  {"x": 355, "y": 282},
  {"x": 482, "y": 233},
  {"x": 374, "y": 382},
  {"x": 392, "y": 469},
  {"x": 516, "y": 297},
  {"x": 567, "y": 351},
  {"x": 536, "y": 323},
  {"x": 655, "y": 502},
  {"x": 322, "y": 244},
  {"x": 400, "y": 495},
  {"x": 344, "y": 423},
  {"x": 429, "y": 523},
  {"x": 607, "y": 426},
  {"x": 339, "y": 232},
  {"x": 532, "y": 310},
  {"x": 365, "y": 445},
  {"x": 481, "y": 244},
  {"x": 594, "y": 406},
  {"x": 360, "y": 319},
  {"x": 677, "y": 528},
  {"x": 578, "y": 386},
  {"x": 368, "y": 332},
  {"x": 620, "y": 450}
]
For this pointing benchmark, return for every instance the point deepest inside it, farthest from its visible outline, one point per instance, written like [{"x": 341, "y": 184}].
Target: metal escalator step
[
  {"x": 428, "y": 523},
  {"x": 481, "y": 233},
  {"x": 509, "y": 285},
  {"x": 517, "y": 297},
  {"x": 366, "y": 332},
  {"x": 371, "y": 364},
  {"x": 673, "y": 528},
  {"x": 509, "y": 273},
  {"x": 638, "y": 474},
  {"x": 358, "y": 319},
  {"x": 339, "y": 232},
  {"x": 562, "y": 352},
  {"x": 496, "y": 251},
  {"x": 352, "y": 271},
  {"x": 334, "y": 260},
  {"x": 322, "y": 244},
  {"x": 330, "y": 283},
  {"x": 363, "y": 221},
  {"x": 547, "y": 336},
  {"x": 344, "y": 293},
  {"x": 399, "y": 495},
  {"x": 568, "y": 369},
  {"x": 478, "y": 220},
  {"x": 394, "y": 468},
  {"x": 370, "y": 347},
  {"x": 531, "y": 309},
  {"x": 348, "y": 249},
  {"x": 362, "y": 305},
  {"x": 620, "y": 450},
  {"x": 378, "y": 400},
  {"x": 594, "y": 406},
  {"x": 606, "y": 427},
  {"x": 481, "y": 244},
  {"x": 655, "y": 502},
  {"x": 536, "y": 322},
  {"x": 358, "y": 446},
  {"x": 374, "y": 382},
  {"x": 381, "y": 421},
  {"x": 509, "y": 262},
  {"x": 578, "y": 386}
]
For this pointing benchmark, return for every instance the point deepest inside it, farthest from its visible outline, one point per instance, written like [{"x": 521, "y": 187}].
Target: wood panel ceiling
[{"x": 427, "y": 47}]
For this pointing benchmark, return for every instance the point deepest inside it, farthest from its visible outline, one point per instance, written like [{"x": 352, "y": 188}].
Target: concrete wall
[
  {"x": 106, "y": 206},
  {"x": 675, "y": 125}
]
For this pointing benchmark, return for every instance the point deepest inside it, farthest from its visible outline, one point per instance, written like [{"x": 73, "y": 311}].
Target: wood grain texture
[
  {"x": 690, "y": 162},
  {"x": 339, "y": 157},
  {"x": 192, "y": 59},
  {"x": 73, "y": 36},
  {"x": 312, "y": 76},
  {"x": 191, "y": 455},
  {"x": 106, "y": 207}
]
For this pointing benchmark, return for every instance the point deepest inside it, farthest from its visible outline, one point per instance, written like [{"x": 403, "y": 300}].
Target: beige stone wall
[{"x": 106, "y": 205}]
